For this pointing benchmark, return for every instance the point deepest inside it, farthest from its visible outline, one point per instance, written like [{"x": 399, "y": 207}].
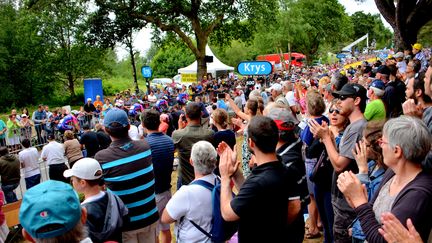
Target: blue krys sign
[
  {"x": 146, "y": 71},
  {"x": 254, "y": 68},
  {"x": 340, "y": 56}
]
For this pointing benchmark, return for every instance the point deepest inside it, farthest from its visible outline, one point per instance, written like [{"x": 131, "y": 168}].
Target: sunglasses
[{"x": 334, "y": 110}]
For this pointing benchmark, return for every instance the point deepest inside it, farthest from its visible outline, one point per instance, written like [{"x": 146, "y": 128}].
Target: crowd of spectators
[{"x": 351, "y": 147}]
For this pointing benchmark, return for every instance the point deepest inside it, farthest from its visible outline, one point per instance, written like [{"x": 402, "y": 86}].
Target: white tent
[{"x": 212, "y": 67}]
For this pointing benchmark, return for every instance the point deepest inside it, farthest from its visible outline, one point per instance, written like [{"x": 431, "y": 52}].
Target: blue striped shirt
[
  {"x": 128, "y": 173},
  {"x": 162, "y": 148}
]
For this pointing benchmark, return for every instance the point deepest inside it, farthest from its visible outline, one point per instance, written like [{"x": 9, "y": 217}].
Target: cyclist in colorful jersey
[
  {"x": 161, "y": 105},
  {"x": 136, "y": 109},
  {"x": 182, "y": 98},
  {"x": 69, "y": 122}
]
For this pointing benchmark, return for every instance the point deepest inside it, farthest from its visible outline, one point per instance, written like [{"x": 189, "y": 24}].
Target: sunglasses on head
[{"x": 334, "y": 110}]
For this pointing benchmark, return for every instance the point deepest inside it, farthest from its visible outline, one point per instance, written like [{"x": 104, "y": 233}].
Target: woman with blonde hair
[{"x": 72, "y": 148}]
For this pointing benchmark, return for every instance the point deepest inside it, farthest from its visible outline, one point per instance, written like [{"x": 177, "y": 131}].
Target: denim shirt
[{"x": 372, "y": 182}]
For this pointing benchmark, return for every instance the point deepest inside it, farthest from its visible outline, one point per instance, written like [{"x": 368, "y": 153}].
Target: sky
[{"x": 142, "y": 40}]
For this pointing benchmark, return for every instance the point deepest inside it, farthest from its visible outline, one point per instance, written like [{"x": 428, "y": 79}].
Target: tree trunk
[
  {"x": 200, "y": 57},
  {"x": 404, "y": 39},
  {"x": 132, "y": 59},
  {"x": 129, "y": 41},
  {"x": 71, "y": 85}
]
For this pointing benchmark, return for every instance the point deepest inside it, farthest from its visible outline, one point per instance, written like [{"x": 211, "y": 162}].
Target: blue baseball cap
[
  {"x": 52, "y": 203},
  {"x": 377, "y": 83},
  {"x": 116, "y": 115}
]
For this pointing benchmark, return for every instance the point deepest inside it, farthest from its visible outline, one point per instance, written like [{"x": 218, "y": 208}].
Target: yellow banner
[
  {"x": 356, "y": 64},
  {"x": 189, "y": 77}
]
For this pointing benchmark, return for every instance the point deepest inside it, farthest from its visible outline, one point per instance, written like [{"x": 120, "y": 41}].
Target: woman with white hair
[
  {"x": 405, "y": 190},
  {"x": 193, "y": 202}
]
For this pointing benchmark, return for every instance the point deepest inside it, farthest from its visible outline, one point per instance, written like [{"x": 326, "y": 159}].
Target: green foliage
[
  {"x": 24, "y": 75},
  {"x": 64, "y": 30},
  {"x": 170, "y": 57},
  {"x": 235, "y": 53},
  {"x": 221, "y": 19},
  {"x": 425, "y": 34},
  {"x": 305, "y": 25},
  {"x": 372, "y": 24}
]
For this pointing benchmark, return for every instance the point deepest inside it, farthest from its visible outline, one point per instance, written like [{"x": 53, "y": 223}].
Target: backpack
[{"x": 221, "y": 230}]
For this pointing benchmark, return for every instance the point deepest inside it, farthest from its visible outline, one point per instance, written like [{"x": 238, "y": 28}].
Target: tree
[
  {"x": 25, "y": 77},
  {"x": 406, "y": 17},
  {"x": 193, "y": 21},
  {"x": 170, "y": 57},
  {"x": 305, "y": 25},
  {"x": 425, "y": 34},
  {"x": 370, "y": 24},
  {"x": 64, "y": 29}
]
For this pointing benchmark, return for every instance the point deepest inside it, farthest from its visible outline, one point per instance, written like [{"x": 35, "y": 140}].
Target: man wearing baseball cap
[
  {"x": 419, "y": 55},
  {"x": 105, "y": 211},
  {"x": 51, "y": 212},
  {"x": 128, "y": 173},
  {"x": 351, "y": 104},
  {"x": 401, "y": 63},
  {"x": 289, "y": 150},
  {"x": 375, "y": 109},
  {"x": 276, "y": 93}
]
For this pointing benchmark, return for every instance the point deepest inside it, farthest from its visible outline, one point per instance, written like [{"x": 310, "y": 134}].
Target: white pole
[{"x": 367, "y": 40}]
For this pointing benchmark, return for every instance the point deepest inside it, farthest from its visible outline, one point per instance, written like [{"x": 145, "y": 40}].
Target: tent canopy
[{"x": 212, "y": 67}]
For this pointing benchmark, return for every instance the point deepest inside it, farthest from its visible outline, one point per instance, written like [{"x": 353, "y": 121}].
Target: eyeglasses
[
  {"x": 381, "y": 142},
  {"x": 334, "y": 110}
]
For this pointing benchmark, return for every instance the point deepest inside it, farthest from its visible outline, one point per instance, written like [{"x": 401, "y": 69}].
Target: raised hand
[
  {"x": 393, "y": 230},
  {"x": 360, "y": 156},
  {"x": 319, "y": 131},
  {"x": 228, "y": 164},
  {"x": 353, "y": 190}
]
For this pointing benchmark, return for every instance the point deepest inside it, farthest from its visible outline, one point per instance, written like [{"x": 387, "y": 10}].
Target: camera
[{"x": 221, "y": 96}]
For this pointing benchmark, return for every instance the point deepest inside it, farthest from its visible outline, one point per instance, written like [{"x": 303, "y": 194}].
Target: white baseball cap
[
  {"x": 275, "y": 86},
  {"x": 86, "y": 169}
]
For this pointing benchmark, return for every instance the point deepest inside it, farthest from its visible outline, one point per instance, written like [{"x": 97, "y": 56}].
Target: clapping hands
[{"x": 228, "y": 164}]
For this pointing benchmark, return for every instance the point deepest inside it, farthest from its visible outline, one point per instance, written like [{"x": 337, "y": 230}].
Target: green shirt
[
  {"x": 13, "y": 128},
  {"x": 375, "y": 110},
  {"x": 183, "y": 140}
]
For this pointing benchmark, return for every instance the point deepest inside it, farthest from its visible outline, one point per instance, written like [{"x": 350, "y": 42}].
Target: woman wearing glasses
[
  {"x": 369, "y": 159},
  {"x": 406, "y": 190}
]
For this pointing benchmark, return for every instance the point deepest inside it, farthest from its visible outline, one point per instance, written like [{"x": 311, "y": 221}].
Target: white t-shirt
[
  {"x": 291, "y": 98},
  {"x": 193, "y": 202},
  {"x": 29, "y": 157},
  {"x": 53, "y": 152},
  {"x": 152, "y": 98},
  {"x": 134, "y": 133}
]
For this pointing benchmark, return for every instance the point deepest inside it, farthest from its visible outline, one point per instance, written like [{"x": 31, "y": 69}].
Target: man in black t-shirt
[
  {"x": 289, "y": 151},
  {"x": 90, "y": 141},
  {"x": 261, "y": 206},
  {"x": 103, "y": 138}
]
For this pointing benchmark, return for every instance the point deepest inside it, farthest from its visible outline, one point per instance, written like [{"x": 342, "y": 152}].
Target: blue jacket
[{"x": 372, "y": 182}]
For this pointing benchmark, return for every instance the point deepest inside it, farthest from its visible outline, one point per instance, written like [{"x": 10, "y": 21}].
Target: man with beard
[
  {"x": 418, "y": 103},
  {"x": 351, "y": 104}
]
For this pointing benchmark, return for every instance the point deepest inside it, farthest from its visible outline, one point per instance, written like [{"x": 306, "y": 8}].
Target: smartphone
[{"x": 221, "y": 96}]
